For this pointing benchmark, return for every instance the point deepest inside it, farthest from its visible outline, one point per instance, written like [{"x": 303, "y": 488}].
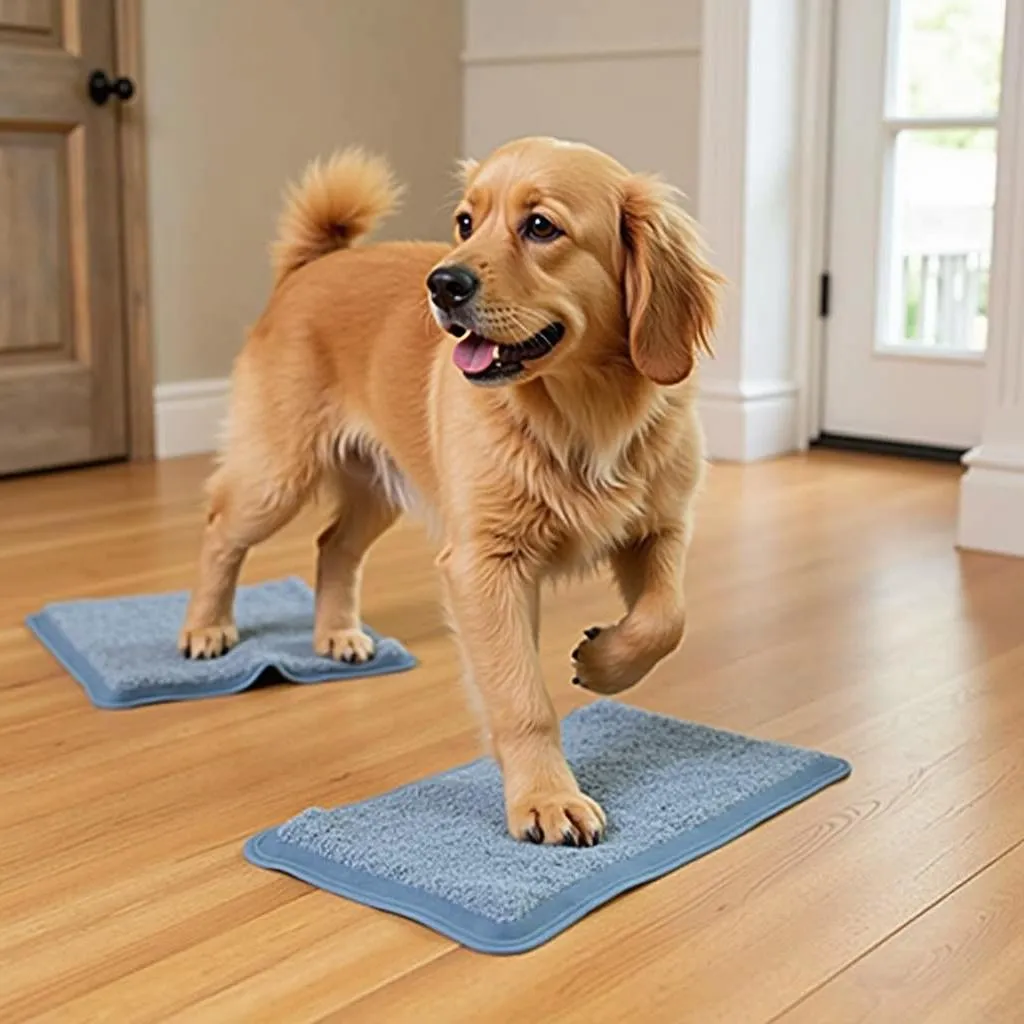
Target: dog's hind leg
[
  {"x": 260, "y": 485},
  {"x": 364, "y": 512},
  {"x": 241, "y": 515}
]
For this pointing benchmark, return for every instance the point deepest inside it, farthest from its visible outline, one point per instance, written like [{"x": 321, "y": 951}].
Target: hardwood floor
[{"x": 828, "y": 607}]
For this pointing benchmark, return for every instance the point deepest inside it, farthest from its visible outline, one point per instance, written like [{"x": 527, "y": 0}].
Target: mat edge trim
[
  {"x": 53, "y": 638},
  {"x": 266, "y": 850}
]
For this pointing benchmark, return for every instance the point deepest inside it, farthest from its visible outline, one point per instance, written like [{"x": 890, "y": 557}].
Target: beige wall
[
  {"x": 623, "y": 75},
  {"x": 239, "y": 95}
]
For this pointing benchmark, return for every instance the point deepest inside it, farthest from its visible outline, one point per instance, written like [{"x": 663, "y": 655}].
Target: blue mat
[
  {"x": 437, "y": 850},
  {"x": 124, "y": 653}
]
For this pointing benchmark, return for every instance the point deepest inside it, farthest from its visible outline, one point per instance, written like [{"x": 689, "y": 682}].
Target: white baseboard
[
  {"x": 189, "y": 416},
  {"x": 992, "y": 501},
  {"x": 742, "y": 423},
  {"x": 747, "y": 421}
]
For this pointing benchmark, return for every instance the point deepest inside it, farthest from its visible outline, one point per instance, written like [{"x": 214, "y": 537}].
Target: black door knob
[{"x": 101, "y": 88}]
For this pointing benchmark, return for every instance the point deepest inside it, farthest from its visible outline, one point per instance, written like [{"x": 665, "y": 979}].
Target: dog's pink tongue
[{"x": 472, "y": 355}]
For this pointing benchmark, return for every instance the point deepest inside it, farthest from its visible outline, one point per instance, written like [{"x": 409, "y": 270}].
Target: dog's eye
[
  {"x": 464, "y": 224},
  {"x": 539, "y": 229}
]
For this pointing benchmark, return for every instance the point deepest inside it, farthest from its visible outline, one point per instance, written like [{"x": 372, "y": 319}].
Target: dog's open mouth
[{"x": 485, "y": 362}]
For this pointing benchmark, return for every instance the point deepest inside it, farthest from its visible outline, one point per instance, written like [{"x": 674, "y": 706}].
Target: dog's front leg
[
  {"x": 650, "y": 576},
  {"x": 494, "y": 603}
]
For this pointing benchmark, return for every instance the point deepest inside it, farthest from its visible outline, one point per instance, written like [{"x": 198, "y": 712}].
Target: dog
[{"x": 531, "y": 387}]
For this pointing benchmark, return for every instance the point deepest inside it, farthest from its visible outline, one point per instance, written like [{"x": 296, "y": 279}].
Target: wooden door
[{"x": 62, "y": 343}]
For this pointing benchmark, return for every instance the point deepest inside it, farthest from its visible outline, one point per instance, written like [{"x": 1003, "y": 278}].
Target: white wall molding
[
  {"x": 750, "y": 187},
  {"x": 992, "y": 501},
  {"x": 189, "y": 416},
  {"x": 748, "y": 420},
  {"x": 744, "y": 420},
  {"x": 747, "y": 391},
  {"x": 485, "y": 59},
  {"x": 992, "y": 489},
  {"x": 817, "y": 58}
]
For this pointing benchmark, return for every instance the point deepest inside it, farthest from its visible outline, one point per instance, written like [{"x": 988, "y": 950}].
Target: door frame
[
  {"x": 134, "y": 212},
  {"x": 812, "y": 226}
]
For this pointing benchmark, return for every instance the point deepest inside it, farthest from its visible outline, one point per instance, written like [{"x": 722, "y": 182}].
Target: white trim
[
  {"x": 1006, "y": 297},
  {"x": 992, "y": 501},
  {"x": 748, "y": 421},
  {"x": 931, "y": 354},
  {"x": 744, "y": 418},
  {"x": 746, "y": 390},
  {"x": 188, "y": 416},
  {"x": 811, "y": 237},
  {"x": 472, "y": 59},
  {"x": 1007, "y": 457},
  {"x": 992, "y": 489},
  {"x": 906, "y": 124},
  {"x": 742, "y": 421}
]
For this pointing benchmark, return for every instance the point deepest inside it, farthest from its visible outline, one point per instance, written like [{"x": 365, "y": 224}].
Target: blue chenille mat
[
  {"x": 124, "y": 653},
  {"x": 437, "y": 850}
]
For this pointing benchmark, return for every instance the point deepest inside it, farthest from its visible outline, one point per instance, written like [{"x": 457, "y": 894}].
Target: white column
[
  {"x": 992, "y": 489},
  {"x": 749, "y": 213}
]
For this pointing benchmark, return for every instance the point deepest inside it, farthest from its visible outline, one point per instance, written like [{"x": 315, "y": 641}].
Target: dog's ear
[{"x": 670, "y": 290}]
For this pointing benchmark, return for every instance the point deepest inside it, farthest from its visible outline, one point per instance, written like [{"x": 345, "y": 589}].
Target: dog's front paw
[
  {"x": 560, "y": 818},
  {"x": 610, "y": 660},
  {"x": 350, "y": 645},
  {"x": 207, "y": 641}
]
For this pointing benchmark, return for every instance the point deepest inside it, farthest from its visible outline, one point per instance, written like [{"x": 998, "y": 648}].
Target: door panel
[
  {"x": 913, "y": 181},
  {"x": 33, "y": 184},
  {"x": 62, "y": 349},
  {"x": 31, "y": 22}
]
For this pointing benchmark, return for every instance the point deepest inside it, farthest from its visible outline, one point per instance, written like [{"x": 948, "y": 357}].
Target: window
[{"x": 942, "y": 102}]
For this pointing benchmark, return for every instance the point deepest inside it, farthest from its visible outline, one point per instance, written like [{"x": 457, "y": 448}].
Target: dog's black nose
[{"x": 452, "y": 286}]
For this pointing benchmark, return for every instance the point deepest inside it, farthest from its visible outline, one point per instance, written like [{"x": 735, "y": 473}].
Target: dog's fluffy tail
[{"x": 332, "y": 207}]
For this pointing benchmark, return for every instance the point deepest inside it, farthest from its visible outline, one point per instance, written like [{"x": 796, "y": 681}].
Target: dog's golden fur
[{"x": 593, "y": 454}]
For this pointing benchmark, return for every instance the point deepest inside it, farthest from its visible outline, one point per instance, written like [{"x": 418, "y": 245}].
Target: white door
[{"x": 910, "y": 226}]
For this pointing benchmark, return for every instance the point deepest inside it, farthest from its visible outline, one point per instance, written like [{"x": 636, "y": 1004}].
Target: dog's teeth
[
  {"x": 496, "y": 353},
  {"x": 463, "y": 337}
]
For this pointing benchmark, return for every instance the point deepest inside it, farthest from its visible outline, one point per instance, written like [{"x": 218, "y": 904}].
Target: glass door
[{"x": 913, "y": 187}]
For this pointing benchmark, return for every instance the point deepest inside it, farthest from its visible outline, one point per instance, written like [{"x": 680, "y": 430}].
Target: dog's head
[{"x": 564, "y": 257}]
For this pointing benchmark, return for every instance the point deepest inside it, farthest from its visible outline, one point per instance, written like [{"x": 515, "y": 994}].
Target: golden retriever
[{"x": 557, "y": 429}]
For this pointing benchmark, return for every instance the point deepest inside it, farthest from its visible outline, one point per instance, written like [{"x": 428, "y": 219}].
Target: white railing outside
[{"x": 943, "y": 234}]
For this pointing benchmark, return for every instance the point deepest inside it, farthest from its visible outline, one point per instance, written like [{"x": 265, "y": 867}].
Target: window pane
[
  {"x": 948, "y": 57},
  {"x": 941, "y": 234}
]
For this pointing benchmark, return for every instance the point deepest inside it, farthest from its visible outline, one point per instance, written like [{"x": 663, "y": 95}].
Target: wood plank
[
  {"x": 30, "y": 22},
  {"x": 44, "y": 416},
  {"x": 792, "y": 903},
  {"x": 27, "y": 15},
  {"x": 828, "y": 608},
  {"x": 34, "y": 271},
  {"x": 959, "y": 962}
]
